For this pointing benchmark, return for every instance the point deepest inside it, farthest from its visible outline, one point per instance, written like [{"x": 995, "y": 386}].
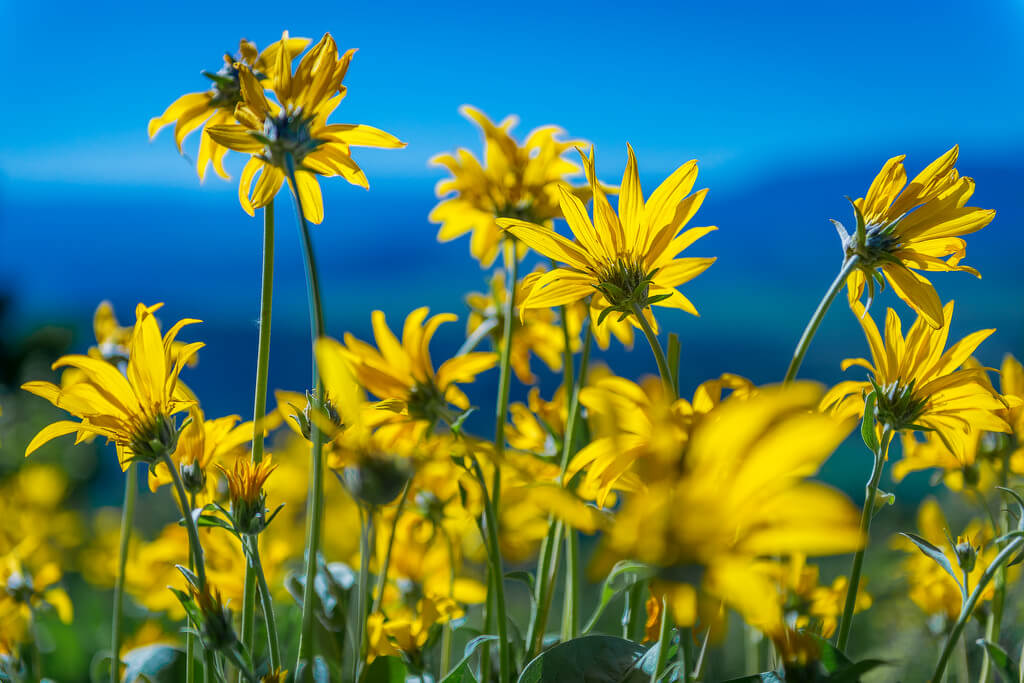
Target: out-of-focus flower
[
  {"x": 406, "y": 630},
  {"x": 201, "y": 443},
  {"x": 631, "y": 258},
  {"x": 134, "y": 410},
  {"x": 23, "y": 590},
  {"x": 291, "y": 134},
  {"x": 216, "y": 106},
  {"x": 919, "y": 384},
  {"x": 905, "y": 228},
  {"x": 739, "y": 491},
  {"x": 513, "y": 182}
]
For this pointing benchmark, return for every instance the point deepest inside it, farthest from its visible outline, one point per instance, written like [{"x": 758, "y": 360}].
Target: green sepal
[
  {"x": 867, "y": 425},
  {"x": 937, "y": 556}
]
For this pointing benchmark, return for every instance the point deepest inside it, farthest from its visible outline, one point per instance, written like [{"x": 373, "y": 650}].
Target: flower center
[
  {"x": 426, "y": 402},
  {"x": 227, "y": 90},
  {"x": 288, "y": 135},
  {"x": 897, "y": 405}
]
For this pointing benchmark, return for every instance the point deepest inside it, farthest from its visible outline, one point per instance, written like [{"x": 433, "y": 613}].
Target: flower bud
[
  {"x": 377, "y": 479},
  {"x": 192, "y": 476},
  {"x": 966, "y": 554}
]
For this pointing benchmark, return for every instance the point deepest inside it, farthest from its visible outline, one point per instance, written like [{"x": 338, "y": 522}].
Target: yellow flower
[
  {"x": 201, "y": 443},
  {"x": 645, "y": 425},
  {"x": 134, "y": 410},
  {"x": 630, "y": 259},
  {"x": 407, "y": 632},
  {"x": 514, "y": 182},
  {"x": 918, "y": 384},
  {"x": 292, "y": 133},
  {"x": 248, "y": 499},
  {"x": 23, "y": 591},
  {"x": 906, "y": 228},
  {"x": 739, "y": 491},
  {"x": 538, "y": 331},
  {"x": 401, "y": 373},
  {"x": 217, "y": 106}
]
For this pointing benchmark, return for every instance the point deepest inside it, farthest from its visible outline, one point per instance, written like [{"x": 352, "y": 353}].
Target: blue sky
[{"x": 748, "y": 87}]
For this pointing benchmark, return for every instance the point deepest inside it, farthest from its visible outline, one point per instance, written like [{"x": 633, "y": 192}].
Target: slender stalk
[
  {"x": 366, "y": 550},
  {"x": 865, "y": 528},
  {"x": 570, "y": 611},
  {"x": 547, "y": 570},
  {"x": 259, "y": 411},
  {"x": 1004, "y": 555},
  {"x": 663, "y": 636},
  {"x": 446, "y": 633},
  {"x": 190, "y": 639},
  {"x": 993, "y": 624},
  {"x": 267, "y": 603},
  {"x": 315, "y": 500},
  {"x": 131, "y": 490},
  {"x": 497, "y": 573},
  {"x": 659, "y": 353},
  {"x": 382, "y": 573},
  {"x": 190, "y": 524},
  {"x": 819, "y": 314},
  {"x": 478, "y": 335}
]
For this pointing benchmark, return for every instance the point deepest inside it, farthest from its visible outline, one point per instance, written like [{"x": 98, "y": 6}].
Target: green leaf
[
  {"x": 1004, "y": 664},
  {"x": 590, "y": 659},
  {"x": 524, "y": 577},
  {"x": 1020, "y": 506},
  {"x": 852, "y": 672},
  {"x": 674, "y": 350},
  {"x": 463, "y": 673},
  {"x": 867, "y": 425},
  {"x": 457, "y": 423},
  {"x": 157, "y": 663},
  {"x": 386, "y": 670},
  {"x": 937, "y": 555},
  {"x": 622, "y": 576}
]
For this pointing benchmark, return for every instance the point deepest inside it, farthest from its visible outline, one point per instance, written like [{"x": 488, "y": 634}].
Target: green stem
[
  {"x": 547, "y": 570},
  {"x": 505, "y": 366},
  {"x": 131, "y": 489},
  {"x": 190, "y": 639},
  {"x": 634, "y": 615},
  {"x": 190, "y": 524},
  {"x": 663, "y": 637},
  {"x": 570, "y": 611},
  {"x": 366, "y": 549},
  {"x": 1004, "y": 556},
  {"x": 315, "y": 499},
  {"x": 446, "y": 633},
  {"x": 993, "y": 624},
  {"x": 497, "y": 573},
  {"x": 659, "y": 353},
  {"x": 478, "y": 335},
  {"x": 259, "y": 411},
  {"x": 382, "y": 574},
  {"x": 266, "y": 602},
  {"x": 819, "y": 314},
  {"x": 865, "y": 529}
]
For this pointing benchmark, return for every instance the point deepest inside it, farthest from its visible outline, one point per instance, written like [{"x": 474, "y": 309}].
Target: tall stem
[
  {"x": 865, "y": 528},
  {"x": 819, "y": 314},
  {"x": 131, "y": 489},
  {"x": 664, "y": 632},
  {"x": 570, "y": 611},
  {"x": 266, "y": 602},
  {"x": 190, "y": 523},
  {"x": 259, "y": 411},
  {"x": 385, "y": 565},
  {"x": 315, "y": 499},
  {"x": 366, "y": 549},
  {"x": 659, "y": 353},
  {"x": 1004, "y": 556}
]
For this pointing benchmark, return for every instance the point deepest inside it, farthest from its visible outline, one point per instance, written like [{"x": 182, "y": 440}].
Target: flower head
[
  {"x": 216, "y": 107},
  {"x": 289, "y": 135},
  {"x": 628, "y": 260},
  {"x": 919, "y": 384},
  {"x": 515, "y": 181},
  {"x": 401, "y": 373},
  {"x": 135, "y": 410},
  {"x": 201, "y": 443},
  {"x": 738, "y": 491},
  {"x": 248, "y": 499},
  {"x": 905, "y": 228}
]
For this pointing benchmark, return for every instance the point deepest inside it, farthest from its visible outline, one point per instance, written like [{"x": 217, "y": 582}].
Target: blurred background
[{"x": 787, "y": 111}]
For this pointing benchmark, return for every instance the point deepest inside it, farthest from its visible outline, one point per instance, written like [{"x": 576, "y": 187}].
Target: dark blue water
[{"x": 63, "y": 248}]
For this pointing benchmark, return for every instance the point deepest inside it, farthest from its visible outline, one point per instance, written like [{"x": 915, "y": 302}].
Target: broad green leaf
[
  {"x": 1004, "y": 664},
  {"x": 157, "y": 663},
  {"x": 852, "y": 672},
  {"x": 462, "y": 672},
  {"x": 937, "y": 555},
  {"x": 622, "y": 576},
  {"x": 590, "y": 659}
]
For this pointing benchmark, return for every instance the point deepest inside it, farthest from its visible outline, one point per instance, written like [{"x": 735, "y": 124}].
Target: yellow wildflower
[
  {"x": 919, "y": 384},
  {"x": 291, "y": 135},
  {"x": 407, "y": 632},
  {"x": 27, "y": 590},
  {"x": 738, "y": 491},
  {"x": 630, "y": 259},
  {"x": 917, "y": 227},
  {"x": 513, "y": 182},
  {"x": 135, "y": 410},
  {"x": 216, "y": 106},
  {"x": 401, "y": 373}
]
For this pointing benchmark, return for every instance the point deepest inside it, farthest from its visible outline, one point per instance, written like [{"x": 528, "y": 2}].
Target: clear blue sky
[{"x": 748, "y": 86}]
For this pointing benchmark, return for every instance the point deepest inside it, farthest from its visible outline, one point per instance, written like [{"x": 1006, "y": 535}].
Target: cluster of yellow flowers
[{"x": 700, "y": 506}]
